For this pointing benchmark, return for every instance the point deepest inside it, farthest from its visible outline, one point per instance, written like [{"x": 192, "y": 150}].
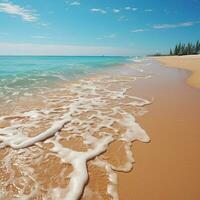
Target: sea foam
[{"x": 93, "y": 110}]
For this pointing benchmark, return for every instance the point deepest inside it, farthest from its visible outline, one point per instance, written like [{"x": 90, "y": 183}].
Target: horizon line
[{"x": 1, "y": 55}]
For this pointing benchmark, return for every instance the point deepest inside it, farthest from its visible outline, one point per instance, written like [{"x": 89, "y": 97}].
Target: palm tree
[
  {"x": 183, "y": 49},
  {"x": 176, "y": 50},
  {"x": 197, "y": 47}
]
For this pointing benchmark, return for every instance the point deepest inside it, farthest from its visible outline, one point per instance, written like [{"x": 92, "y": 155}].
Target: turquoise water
[{"x": 23, "y": 73}]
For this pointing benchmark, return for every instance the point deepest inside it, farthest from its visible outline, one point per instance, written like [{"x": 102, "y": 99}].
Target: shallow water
[
  {"x": 55, "y": 140},
  {"x": 22, "y": 74}
]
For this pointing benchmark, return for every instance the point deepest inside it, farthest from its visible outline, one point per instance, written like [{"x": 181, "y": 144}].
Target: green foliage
[{"x": 183, "y": 49}]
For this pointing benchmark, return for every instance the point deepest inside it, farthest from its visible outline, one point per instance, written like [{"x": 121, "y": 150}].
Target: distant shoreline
[{"x": 190, "y": 63}]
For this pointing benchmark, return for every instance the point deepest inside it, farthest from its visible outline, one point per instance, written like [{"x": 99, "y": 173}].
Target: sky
[{"x": 96, "y": 27}]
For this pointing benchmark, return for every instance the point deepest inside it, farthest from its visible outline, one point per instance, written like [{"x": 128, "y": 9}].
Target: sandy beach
[
  {"x": 93, "y": 149},
  {"x": 168, "y": 167},
  {"x": 190, "y": 63}
]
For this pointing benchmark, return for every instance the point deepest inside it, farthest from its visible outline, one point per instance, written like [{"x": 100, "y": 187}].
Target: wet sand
[
  {"x": 190, "y": 63},
  {"x": 167, "y": 167}
]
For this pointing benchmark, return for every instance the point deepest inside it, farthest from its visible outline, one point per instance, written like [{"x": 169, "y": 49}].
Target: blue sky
[{"x": 96, "y": 27}]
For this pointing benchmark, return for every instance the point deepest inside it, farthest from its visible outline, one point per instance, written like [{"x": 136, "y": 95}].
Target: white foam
[
  {"x": 137, "y": 59},
  {"x": 79, "y": 176},
  {"x": 82, "y": 97}
]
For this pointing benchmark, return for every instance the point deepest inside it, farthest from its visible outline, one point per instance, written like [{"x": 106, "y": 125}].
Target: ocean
[{"x": 22, "y": 73}]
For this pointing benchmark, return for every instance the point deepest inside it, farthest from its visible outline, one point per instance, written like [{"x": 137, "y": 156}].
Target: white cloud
[
  {"x": 75, "y": 3},
  {"x": 111, "y": 36},
  {"x": 134, "y": 9},
  {"x": 116, "y": 10},
  {"x": 137, "y": 30},
  {"x": 167, "y": 26},
  {"x": 130, "y": 8},
  {"x": 148, "y": 10},
  {"x": 127, "y": 8},
  {"x": 98, "y": 10},
  {"x": 122, "y": 19},
  {"x": 70, "y": 50},
  {"x": 13, "y": 9},
  {"x": 170, "y": 26}
]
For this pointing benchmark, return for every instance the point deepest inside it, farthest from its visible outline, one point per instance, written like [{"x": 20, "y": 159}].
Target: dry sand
[
  {"x": 191, "y": 63},
  {"x": 168, "y": 167}
]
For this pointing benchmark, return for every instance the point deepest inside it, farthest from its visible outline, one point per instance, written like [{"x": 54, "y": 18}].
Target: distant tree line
[{"x": 186, "y": 49}]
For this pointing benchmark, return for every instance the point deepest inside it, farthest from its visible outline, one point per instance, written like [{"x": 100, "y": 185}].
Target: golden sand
[
  {"x": 191, "y": 63},
  {"x": 167, "y": 167}
]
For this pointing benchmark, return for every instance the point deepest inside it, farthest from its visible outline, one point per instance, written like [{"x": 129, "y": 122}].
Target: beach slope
[
  {"x": 167, "y": 167},
  {"x": 191, "y": 63}
]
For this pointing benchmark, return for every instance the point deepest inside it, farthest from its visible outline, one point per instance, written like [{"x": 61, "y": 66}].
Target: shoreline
[
  {"x": 81, "y": 122},
  {"x": 163, "y": 121},
  {"x": 167, "y": 167},
  {"x": 189, "y": 63}
]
